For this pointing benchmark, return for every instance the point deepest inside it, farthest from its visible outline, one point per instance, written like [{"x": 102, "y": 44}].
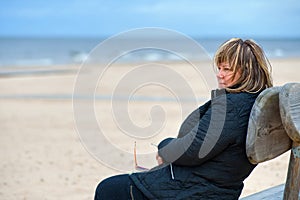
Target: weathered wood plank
[
  {"x": 290, "y": 109},
  {"x": 274, "y": 193},
  {"x": 289, "y": 101},
  {"x": 292, "y": 186},
  {"x": 266, "y": 138},
  {"x": 270, "y": 108}
]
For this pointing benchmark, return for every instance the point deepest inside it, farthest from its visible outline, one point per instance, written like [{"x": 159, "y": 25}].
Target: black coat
[{"x": 208, "y": 159}]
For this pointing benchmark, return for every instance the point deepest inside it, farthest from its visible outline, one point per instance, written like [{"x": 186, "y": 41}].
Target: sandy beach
[{"x": 42, "y": 155}]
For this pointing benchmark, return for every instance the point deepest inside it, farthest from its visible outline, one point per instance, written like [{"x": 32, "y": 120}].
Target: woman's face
[{"x": 225, "y": 75}]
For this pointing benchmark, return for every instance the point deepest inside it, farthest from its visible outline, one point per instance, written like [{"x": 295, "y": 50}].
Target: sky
[{"x": 196, "y": 18}]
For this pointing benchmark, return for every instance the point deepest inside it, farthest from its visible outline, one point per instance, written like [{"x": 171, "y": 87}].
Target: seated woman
[{"x": 208, "y": 158}]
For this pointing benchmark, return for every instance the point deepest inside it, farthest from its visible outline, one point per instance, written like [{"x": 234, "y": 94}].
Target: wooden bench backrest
[
  {"x": 274, "y": 128},
  {"x": 267, "y": 137},
  {"x": 289, "y": 105}
]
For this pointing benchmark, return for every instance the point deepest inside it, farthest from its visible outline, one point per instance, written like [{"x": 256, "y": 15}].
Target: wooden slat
[
  {"x": 289, "y": 101},
  {"x": 290, "y": 109},
  {"x": 292, "y": 185},
  {"x": 274, "y": 193},
  {"x": 266, "y": 138}
]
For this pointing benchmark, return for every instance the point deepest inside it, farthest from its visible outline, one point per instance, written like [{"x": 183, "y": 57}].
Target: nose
[{"x": 220, "y": 74}]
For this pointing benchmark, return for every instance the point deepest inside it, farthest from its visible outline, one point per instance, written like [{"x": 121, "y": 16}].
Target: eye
[{"x": 227, "y": 69}]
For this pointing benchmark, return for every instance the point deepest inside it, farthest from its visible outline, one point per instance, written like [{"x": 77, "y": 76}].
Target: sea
[{"x": 46, "y": 52}]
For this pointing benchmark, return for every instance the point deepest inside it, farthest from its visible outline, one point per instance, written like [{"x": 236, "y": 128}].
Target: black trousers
[{"x": 118, "y": 188}]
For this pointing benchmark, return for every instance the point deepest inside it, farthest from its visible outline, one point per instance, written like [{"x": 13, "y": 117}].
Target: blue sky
[{"x": 209, "y": 18}]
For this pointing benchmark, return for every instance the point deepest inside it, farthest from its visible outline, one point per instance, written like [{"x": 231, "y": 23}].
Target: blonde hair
[{"x": 248, "y": 58}]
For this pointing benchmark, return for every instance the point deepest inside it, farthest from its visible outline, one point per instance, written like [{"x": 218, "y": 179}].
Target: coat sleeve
[
  {"x": 206, "y": 139},
  {"x": 192, "y": 120}
]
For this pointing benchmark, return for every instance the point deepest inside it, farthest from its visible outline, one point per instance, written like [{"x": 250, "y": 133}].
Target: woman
[{"x": 208, "y": 158}]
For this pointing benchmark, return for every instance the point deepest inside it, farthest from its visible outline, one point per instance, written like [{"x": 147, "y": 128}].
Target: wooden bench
[{"x": 274, "y": 128}]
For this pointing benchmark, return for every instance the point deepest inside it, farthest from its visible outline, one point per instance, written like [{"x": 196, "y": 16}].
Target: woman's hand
[{"x": 159, "y": 159}]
